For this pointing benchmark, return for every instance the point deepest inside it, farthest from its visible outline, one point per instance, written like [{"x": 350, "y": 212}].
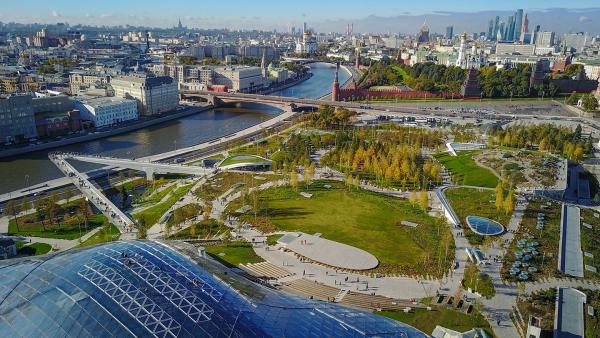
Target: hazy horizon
[{"x": 385, "y": 16}]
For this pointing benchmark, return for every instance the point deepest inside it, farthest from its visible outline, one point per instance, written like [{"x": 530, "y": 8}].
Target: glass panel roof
[{"x": 143, "y": 288}]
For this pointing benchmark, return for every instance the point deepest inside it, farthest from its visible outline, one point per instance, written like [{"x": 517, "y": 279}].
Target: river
[{"x": 23, "y": 171}]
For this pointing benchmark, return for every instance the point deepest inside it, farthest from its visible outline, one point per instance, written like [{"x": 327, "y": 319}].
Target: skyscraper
[
  {"x": 490, "y": 29},
  {"x": 510, "y": 29},
  {"x": 496, "y": 27},
  {"x": 524, "y": 28},
  {"x": 518, "y": 25},
  {"x": 449, "y": 32}
]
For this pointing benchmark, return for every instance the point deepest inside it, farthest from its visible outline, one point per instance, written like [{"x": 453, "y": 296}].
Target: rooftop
[{"x": 145, "y": 288}]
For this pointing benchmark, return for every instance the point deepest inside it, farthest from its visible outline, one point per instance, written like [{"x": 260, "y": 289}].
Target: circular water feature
[{"x": 484, "y": 226}]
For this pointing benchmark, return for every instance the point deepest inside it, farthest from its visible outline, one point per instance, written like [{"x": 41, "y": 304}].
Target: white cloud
[
  {"x": 584, "y": 19},
  {"x": 56, "y": 14}
]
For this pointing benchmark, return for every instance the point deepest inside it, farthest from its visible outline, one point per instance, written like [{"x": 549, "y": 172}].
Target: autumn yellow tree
[
  {"x": 294, "y": 179},
  {"x": 412, "y": 198},
  {"x": 499, "y": 195},
  {"x": 424, "y": 201}
]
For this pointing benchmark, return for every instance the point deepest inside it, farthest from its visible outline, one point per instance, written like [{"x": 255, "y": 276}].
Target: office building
[
  {"x": 154, "y": 95},
  {"x": 18, "y": 114},
  {"x": 518, "y": 26},
  {"x": 449, "y": 32},
  {"x": 107, "y": 111},
  {"x": 575, "y": 41},
  {"x": 84, "y": 81},
  {"x": 511, "y": 48},
  {"x": 243, "y": 79},
  {"x": 423, "y": 35},
  {"x": 544, "y": 39}
]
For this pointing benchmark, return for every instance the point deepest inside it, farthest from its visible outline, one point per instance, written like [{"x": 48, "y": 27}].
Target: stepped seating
[
  {"x": 373, "y": 302},
  {"x": 304, "y": 287},
  {"x": 266, "y": 270}
]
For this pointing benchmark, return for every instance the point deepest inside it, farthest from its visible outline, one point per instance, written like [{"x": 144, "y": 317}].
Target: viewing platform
[{"x": 328, "y": 252}]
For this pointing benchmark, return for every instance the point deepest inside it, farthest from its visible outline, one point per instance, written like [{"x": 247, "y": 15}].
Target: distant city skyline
[{"x": 324, "y": 16}]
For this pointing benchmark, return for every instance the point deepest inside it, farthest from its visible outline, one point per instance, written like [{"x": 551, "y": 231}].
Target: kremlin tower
[{"x": 335, "y": 91}]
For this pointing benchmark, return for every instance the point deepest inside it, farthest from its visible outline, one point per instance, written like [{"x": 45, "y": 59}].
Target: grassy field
[
  {"x": 365, "y": 220},
  {"x": 426, "y": 321},
  {"x": 478, "y": 282},
  {"x": 34, "y": 249},
  {"x": 203, "y": 229},
  {"x": 470, "y": 201},
  {"x": 465, "y": 171},
  {"x": 224, "y": 181},
  {"x": 153, "y": 214},
  {"x": 272, "y": 240},
  {"x": 66, "y": 225},
  {"x": 102, "y": 236},
  {"x": 590, "y": 241},
  {"x": 547, "y": 261},
  {"x": 234, "y": 253},
  {"x": 241, "y": 159}
]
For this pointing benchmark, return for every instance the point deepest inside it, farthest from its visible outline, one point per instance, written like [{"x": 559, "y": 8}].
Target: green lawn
[
  {"x": 102, "y": 236},
  {"x": 426, "y": 321},
  {"x": 153, "y": 214},
  {"x": 35, "y": 249},
  {"x": 365, "y": 220},
  {"x": 241, "y": 159},
  {"x": 478, "y": 282},
  {"x": 234, "y": 253},
  {"x": 223, "y": 181},
  {"x": 65, "y": 226},
  {"x": 478, "y": 202},
  {"x": 465, "y": 171},
  {"x": 272, "y": 240},
  {"x": 203, "y": 229},
  {"x": 590, "y": 241}
]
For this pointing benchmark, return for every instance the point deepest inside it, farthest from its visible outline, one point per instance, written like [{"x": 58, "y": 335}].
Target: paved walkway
[
  {"x": 156, "y": 231},
  {"x": 498, "y": 308}
]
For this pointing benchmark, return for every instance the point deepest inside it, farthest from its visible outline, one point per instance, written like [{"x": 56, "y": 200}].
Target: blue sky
[{"x": 247, "y": 13}]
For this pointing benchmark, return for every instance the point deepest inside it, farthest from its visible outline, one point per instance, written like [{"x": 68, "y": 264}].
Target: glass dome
[{"x": 143, "y": 288}]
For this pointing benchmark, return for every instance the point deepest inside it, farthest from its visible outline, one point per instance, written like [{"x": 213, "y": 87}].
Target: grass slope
[
  {"x": 364, "y": 220},
  {"x": 465, "y": 171},
  {"x": 234, "y": 253},
  {"x": 426, "y": 321}
]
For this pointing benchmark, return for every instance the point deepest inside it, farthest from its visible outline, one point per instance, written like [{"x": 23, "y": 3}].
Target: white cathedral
[{"x": 469, "y": 60}]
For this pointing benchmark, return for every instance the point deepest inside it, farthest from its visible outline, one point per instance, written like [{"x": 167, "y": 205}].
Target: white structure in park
[
  {"x": 106, "y": 111},
  {"x": 155, "y": 95}
]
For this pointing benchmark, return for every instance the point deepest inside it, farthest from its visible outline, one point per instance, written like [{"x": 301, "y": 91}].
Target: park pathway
[{"x": 498, "y": 308}]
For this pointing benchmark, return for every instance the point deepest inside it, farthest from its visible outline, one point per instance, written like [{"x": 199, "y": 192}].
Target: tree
[
  {"x": 509, "y": 202},
  {"x": 207, "y": 211},
  {"x": 193, "y": 230},
  {"x": 306, "y": 177},
  {"x": 294, "y": 179},
  {"x": 412, "y": 198},
  {"x": 499, "y": 195},
  {"x": 572, "y": 99},
  {"x": 590, "y": 103},
  {"x": 12, "y": 206},
  {"x": 424, "y": 201},
  {"x": 142, "y": 230},
  {"x": 84, "y": 210}
]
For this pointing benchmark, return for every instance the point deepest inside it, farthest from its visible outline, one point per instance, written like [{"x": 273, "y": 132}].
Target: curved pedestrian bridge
[{"x": 328, "y": 252}]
